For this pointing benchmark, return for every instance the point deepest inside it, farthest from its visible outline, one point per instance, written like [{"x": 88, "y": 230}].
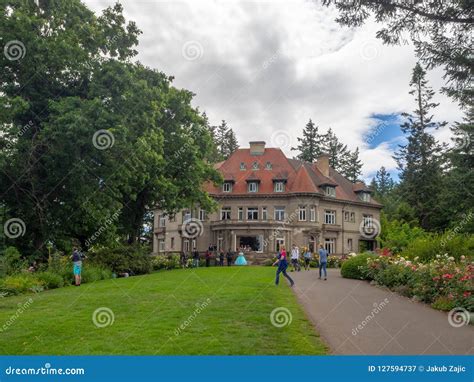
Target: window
[
  {"x": 161, "y": 220},
  {"x": 368, "y": 221},
  {"x": 186, "y": 245},
  {"x": 193, "y": 244},
  {"x": 172, "y": 243},
  {"x": 253, "y": 187},
  {"x": 279, "y": 242},
  {"x": 186, "y": 216},
  {"x": 241, "y": 213},
  {"x": 312, "y": 214},
  {"x": 225, "y": 213},
  {"x": 242, "y": 166},
  {"x": 302, "y": 213},
  {"x": 280, "y": 213},
  {"x": 279, "y": 187},
  {"x": 268, "y": 166},
  {"x": 220, "y": 243},
  {"x": 252, "y": 213},
  {"x": 331, "y": 191},
  {"x": 202, "y": 215},
  {"x": 227, "y": 187},
  {"x": 161, "y": 245},
  {"x": 365, "y": 196},
  {"x": 255, "y": 165},
  {"x": 330, "y": 245},
  {"x": 264, "y": 213},
  {"x": 172, "y": 218},
  {"x": 349, "y": 216},
  {"x": 329, "y": 217},
  {"x": 349, "y": 245}
]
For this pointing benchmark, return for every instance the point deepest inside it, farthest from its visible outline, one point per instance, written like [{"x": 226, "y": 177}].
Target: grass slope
[{"x": 149, "y": 309}]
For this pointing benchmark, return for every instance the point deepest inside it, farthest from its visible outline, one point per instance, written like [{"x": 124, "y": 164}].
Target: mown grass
[{"x": 212, "y": 311}]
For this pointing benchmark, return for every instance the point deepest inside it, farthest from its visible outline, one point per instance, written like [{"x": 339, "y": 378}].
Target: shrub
[
  {"x": 91, "y": 273},
  {"x": 12, "y": 262},
  {"x": 352, "y": 268},
  {"x": 443, "y": 303},
  {"x": 22, "y": 283},
  {"x": 50, "y": 280},
  {"x": 133, "y": 260},
  {"x": 334, "y": 261}
]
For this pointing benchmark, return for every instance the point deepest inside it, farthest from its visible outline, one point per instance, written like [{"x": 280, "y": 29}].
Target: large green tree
[
  {"x": 309, "y": 145},
  {"x": 87, "y": 136},
  {"x": 419, "y": 160},
  {"x": 441, "y": 32}
]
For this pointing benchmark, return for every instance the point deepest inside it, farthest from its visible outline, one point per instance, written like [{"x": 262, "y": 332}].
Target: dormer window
[
  {"x": 365, "y": 196},
  {"x": 268, "y": 166},
  {"x": 242, "y": 166},
  {"x": 279, "y": 186},
  {"x": 255, "y": 165},
  {"x": 331, "y": 191},
  {"x": 252, "y": 186},
  {"x": 227, "y": 187}
]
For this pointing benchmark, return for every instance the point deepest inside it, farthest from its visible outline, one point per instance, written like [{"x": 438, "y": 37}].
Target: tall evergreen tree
[
  {"x": 420, "y": 160},
  {"x": 352, "y": 168},
  {"x": 457, "y": 193},
  {"x": 337, "y": 151},
  {"x": 231, "y": 143},
  {"x": 383, "y": 183},
  {"x": 309, "y": 145}
]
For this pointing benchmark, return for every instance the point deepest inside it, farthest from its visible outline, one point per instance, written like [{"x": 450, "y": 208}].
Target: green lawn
[{"x": 220, "y": 311}]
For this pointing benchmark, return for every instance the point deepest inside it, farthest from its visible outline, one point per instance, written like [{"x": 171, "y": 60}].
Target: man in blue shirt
[{"x": 323, "y": 260}]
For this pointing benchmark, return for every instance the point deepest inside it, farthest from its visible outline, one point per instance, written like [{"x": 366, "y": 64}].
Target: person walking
[
  {"x": 195, "y": 259},
  {"x": 282, "y": 267},
  {"x": 183, "y": 259},
  {"x": 208, "y": 258},
  {"x": 323, "y": 260},
  {"x": 77, "y": 258},
  {"x": 230, "y": 257},
  {"x": 221, "y": 258},
  {"x": 307, "y": 258},
  {"x": 295, "y": 257}
]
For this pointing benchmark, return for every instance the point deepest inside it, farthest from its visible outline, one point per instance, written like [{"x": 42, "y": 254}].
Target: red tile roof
[{"x": 300, "y": 176}]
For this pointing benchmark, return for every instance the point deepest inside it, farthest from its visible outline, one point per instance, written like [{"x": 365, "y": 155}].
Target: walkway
[{"x": 396, "y": 325}]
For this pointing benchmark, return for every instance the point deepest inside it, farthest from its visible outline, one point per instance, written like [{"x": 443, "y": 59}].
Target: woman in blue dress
[{"x": 241, "y": 259}]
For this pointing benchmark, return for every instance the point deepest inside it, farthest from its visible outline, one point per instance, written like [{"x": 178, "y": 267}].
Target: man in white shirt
[{"x": 295, "y": 256}]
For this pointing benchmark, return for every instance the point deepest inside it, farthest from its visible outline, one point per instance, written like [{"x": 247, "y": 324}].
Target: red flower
[
  {"x": 466, "y": 294},
  {"x": 447, "y": 276}
]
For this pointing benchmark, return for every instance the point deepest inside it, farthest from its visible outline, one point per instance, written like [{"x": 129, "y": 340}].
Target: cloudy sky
[{"x": 266, "y": 67}]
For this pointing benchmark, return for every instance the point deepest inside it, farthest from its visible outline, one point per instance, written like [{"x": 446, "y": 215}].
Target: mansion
[{"x": 268, "y": 200}]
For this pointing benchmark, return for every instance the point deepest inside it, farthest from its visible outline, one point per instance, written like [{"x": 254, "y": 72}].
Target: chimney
[
  {"x": 323, "y": 164},
  {"x": 257, "y": 147}
]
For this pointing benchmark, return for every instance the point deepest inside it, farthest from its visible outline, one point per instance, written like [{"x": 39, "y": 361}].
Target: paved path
[{"x": 396, "y": 325}]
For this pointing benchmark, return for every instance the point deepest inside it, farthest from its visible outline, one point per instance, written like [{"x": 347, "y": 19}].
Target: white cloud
[{"x": 267, "y": 67}]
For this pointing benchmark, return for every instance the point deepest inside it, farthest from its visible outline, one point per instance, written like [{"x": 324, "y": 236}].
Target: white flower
[
  {"x": 451, "y": 258},
  {"x": 438, "y": 256}
]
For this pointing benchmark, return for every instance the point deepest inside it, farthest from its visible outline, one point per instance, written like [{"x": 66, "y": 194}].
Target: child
[{"x": 282, "y": 266}]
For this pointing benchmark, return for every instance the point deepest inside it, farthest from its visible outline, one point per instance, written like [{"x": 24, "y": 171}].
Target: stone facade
[{"x": 311, "y": 205}]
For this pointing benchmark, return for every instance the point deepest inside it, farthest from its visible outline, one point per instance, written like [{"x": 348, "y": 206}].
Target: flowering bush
[{"x": 442, "y": 282}]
